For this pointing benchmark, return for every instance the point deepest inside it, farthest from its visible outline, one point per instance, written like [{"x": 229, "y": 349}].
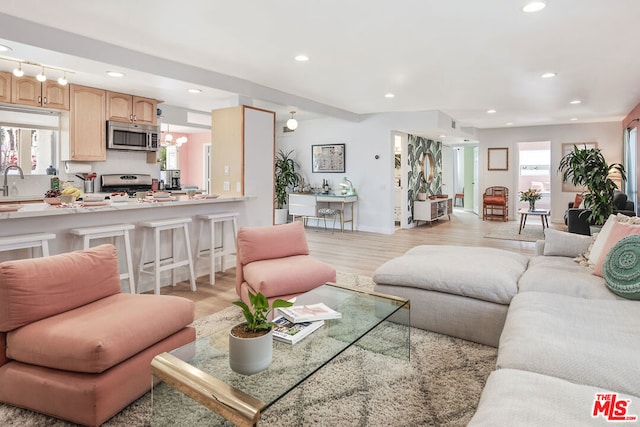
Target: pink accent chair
[
  {"x": 72, "y": 345},
  {"x": 275, "y": 261}
]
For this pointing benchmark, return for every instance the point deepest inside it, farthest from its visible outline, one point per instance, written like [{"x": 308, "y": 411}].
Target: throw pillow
[
  {"x": 561, "y": 243},
  {"x": 622, "y": 268},
  {"x": 618, "y": 232},
  {"x": 594, "y": 253},
  {"x": 577, "y": 200}
]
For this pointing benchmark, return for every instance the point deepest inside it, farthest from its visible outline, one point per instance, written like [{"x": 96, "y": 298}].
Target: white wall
[{"x": 607, "y": 135}]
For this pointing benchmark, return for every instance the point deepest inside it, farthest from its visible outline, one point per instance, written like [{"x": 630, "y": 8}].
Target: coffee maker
[{"x": 171, "y": 178}]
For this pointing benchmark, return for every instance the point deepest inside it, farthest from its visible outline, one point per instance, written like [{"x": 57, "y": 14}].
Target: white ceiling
[{"x": 461, "y": 57}]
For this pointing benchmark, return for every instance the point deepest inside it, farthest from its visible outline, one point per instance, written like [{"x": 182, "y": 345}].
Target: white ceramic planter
[
  {"x": 281, "y": 216},
  {"x": 249, "y": 356}
]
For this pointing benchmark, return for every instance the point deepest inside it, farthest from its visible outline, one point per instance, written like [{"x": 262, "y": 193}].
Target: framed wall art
[
  {"x": 498, "y": 159},
  {"x": 567, "y": 186},
  {"x": 328, "y": 158}
]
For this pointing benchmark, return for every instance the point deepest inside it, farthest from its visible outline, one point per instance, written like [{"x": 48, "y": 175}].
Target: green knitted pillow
[{"x": 621, "y": 269}]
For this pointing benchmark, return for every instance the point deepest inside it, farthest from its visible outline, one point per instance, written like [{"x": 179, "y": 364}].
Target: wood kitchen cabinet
[
  {"x": 48, "y": 94},
  {"x": 128, "y": 108},
  {"x": 5, "y": 86},
  {"x": 87, "y": 126}
]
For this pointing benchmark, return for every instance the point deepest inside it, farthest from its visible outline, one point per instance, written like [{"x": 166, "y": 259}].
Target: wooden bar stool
[
  {"x": 30, "y": 241},
  {"x": 212, "y": 253},
  {"x": 110, "y": 231},
  {"x": 159, "y": 265}
]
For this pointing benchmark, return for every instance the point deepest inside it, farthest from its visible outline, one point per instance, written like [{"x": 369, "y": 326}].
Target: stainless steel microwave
[{"x": 132, "y": 136}]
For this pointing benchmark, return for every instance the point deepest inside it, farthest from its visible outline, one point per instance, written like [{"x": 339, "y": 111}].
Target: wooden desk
[
  {"x": 306, "y": 206},
  {"x": 542, "y": 213}
]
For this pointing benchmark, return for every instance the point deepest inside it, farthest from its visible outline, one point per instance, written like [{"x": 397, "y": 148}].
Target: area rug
[
  {"x": 439, "y": 386},
  {"x": 509, "y": 231}
]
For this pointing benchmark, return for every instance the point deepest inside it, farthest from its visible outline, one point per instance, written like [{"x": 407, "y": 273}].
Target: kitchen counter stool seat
[
  {"x": 158, "y": 265},
  {"x": 212, "y": 253},
  {"x": 110, "y": 231},
  {"x": 29, "y": 241}
]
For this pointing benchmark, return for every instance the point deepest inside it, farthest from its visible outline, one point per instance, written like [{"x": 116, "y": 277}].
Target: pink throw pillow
[{"x": 617, "y": 233}]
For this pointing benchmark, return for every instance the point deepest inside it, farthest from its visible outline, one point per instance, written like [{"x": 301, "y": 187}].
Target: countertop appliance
[
  {"x": 171, "y": 178},
  {"x": 128, "y": 183},
  {"x": 132, "y": 136}
]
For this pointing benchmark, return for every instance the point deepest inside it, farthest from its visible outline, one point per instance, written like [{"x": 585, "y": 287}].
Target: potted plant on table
[
  {"x": 588, "y": 168},
  {"x": 251, "y": 342},
  {"x": 286, "y": 177},
  {"x": 422, "y": 192},
  {"x": 530, "y": 196}
]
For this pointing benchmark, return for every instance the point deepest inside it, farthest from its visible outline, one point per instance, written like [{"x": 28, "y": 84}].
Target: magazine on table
[
  {"x": 309, "y": 313},
  {"x": 289, "y": 332}
]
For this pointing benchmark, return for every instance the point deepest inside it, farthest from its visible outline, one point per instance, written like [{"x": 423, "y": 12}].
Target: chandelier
[{"x": 169, "y": 141}]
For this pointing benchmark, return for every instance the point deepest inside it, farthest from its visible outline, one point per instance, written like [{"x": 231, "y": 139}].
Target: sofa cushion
[
  {"x": 602, "y": 237},
  {"x": 97, "y": 336},
  {"x": 619, "y": 201},
  {"x": 32, "y": 289},
  {"x": 617, "y": 233},
  {"x": 258, "y": 243},
  {"x": 621, "y": 269},
  {"x": 562, "y": 275},
  {"x": 520, "y": 398},
  {"x": 494, "y": 200},
  {"x": 484, "y": 273},
  {"x": 267, "y": 277},
  {"x": 585, "y": 341},
  {"x": 561, "y": 243}
]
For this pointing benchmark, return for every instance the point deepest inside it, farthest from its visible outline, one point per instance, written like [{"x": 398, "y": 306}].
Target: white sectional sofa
[{"x": 568, "y": 346}]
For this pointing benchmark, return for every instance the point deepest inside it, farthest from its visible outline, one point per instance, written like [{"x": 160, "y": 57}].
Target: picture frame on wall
[
  {"x": 498, "y": 159},
  {"x": 328, "y": 158},
  {"x": 567, "y": 186}
]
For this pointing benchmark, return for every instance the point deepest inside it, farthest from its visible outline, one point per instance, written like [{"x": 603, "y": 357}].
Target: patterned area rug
[
  {"x": 439, "y": 386},
  {"x": 509, "y": 231}
]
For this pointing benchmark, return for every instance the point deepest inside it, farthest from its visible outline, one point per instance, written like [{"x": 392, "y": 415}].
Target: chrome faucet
[{"x": 5, "y": 187}]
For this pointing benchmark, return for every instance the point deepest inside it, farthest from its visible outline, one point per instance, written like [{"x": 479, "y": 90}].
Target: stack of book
[{"x": 297, "y": 322}]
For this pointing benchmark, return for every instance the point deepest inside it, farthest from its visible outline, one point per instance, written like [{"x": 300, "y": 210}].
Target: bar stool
[
  {"x": 113, "y": 231},
  {"x": 211, "y": 220},
  {"x": 157, "y": 267},
  {"x": 30, "y": 241}
]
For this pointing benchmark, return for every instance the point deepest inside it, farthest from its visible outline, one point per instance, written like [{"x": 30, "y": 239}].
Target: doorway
[
  {"x": 534, "y": 172},
  {"x": 631, "y": 160}
]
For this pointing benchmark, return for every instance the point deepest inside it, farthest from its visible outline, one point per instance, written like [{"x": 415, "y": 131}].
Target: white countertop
[{"x": 43, "y": 209}]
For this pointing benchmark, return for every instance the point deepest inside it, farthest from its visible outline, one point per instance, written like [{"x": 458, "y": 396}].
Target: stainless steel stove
[{"x": 128, "y": 183}]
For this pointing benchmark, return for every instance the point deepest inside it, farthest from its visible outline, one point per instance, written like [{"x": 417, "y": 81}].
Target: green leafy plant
[
  {"x": 286, "y": 176},
  {"x": 587, "y": 167},
  {"x": 257, "y": 311}
]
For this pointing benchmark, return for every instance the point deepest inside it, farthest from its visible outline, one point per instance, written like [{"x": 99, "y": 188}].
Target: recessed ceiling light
[
  {"x": 492, "y": 111},
  {"x": 4, "y": 48},
  {"x": 115, "y": 74},
  {"x": 534, "y": 6},
  {"x": 389, "y": 95},
  {"x": 548, "y": 75},
  {"x": 575, "y": 101},
  {"x": 573, "y": 119},
  {"x": 509, "y": 124},
  {"x": 443, "y": 136},
  {"x": 194, "y": 91},
  {"x": 302, "y": 58}
]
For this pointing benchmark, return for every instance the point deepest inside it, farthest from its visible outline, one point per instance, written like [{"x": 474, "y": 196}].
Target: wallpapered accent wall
[{"x": 417, "y": 146}]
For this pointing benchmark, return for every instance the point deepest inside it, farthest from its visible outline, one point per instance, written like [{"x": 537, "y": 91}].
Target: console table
[
  {"x": 307, "y": 205},
  {"x": 431, "y": 210}
]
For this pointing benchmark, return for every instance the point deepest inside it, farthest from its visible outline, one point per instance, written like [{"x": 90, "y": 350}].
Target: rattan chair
[{"x": 495, "y": 203}]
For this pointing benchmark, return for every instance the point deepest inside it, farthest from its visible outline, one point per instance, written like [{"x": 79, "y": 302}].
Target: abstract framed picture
[
  {"x": 498, "y": 159},
  {"x": 568, "y": 187},
  {"x": 328, "y": 158}
]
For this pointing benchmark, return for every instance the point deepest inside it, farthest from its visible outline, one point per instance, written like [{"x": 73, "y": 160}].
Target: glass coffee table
[{"x": 198, "y": 384}]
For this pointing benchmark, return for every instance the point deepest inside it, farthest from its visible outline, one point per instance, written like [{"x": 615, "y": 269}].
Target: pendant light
[
  {"x": 62, "y": 81},
  {"x": 18, "y": 71},
  {"x": 292, "y": 123},
  {"x": 41, "y": 77}
]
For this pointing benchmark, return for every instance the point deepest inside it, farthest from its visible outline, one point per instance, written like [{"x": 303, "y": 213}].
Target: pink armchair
[
  {"x": 275, "y": 261},
  {"x": 71, "y": 345}
]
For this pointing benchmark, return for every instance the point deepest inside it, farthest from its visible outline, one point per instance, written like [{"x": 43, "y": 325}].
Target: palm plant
[
  {"x": 286, "y": 176},
  {"x": 588, "y": 168}
]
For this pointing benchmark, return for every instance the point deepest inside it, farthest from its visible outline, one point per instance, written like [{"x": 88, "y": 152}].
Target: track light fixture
[
  {"x": 18, "y": 71},
  {"x": 62, "y": 81},
  {"x": 41, "y": 77},
  {"x": 292, "y": 123}
]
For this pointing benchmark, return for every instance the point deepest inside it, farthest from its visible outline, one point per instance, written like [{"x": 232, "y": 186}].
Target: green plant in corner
[
  {"x": 257, "y": 311},
  {"x": 587, "y": 167},
  {"x": 286, "y": 176}
]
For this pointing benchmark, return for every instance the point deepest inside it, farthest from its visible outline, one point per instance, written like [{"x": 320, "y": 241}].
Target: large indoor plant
[
  {"x": 251, "y": 342},
  {"x": 587, "y": 167},
  {"x": 286, "y": 178}
]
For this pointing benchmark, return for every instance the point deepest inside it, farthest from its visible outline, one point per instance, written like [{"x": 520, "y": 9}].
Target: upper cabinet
[
  {"x": 49, "y": 94},
  {"x": 5, "y": 86},
  {"x": 127, "y": 108},
  {"x": 87, "y": 127}
]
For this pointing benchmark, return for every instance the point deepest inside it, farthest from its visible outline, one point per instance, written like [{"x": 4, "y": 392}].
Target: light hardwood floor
[{"x": 361, "y": 253}]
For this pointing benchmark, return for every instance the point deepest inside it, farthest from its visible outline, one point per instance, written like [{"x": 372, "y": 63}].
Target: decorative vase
[
  {"x": 249, "y": 356},
  {"x": 532, "y": 205}
]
